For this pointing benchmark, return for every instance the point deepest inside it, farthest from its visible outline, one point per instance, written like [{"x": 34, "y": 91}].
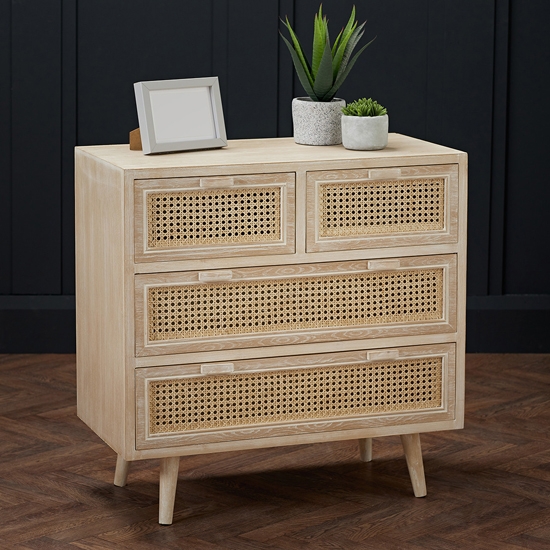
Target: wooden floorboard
[{"x": 488, "y": 485}]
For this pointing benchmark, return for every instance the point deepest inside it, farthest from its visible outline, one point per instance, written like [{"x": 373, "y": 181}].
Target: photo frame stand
[{"x": 135, "y": 140}]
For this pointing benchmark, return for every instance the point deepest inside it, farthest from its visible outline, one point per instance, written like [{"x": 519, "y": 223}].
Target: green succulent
[
  {"x": 329, "y": 65},
  {"x": 364, "y": 107}
]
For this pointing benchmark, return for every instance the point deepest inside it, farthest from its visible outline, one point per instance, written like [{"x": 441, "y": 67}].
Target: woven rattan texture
[
  {"x": 330, "y": 301},
  {"x": 371, "y": 207},
  {"x": 177, "y": 219},
  {"x": 180, "y": 405}
]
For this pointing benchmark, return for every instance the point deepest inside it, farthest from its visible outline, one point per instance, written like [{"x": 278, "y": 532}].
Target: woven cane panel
[
  {"x": 370, "y": 207},
  {"x": 177, "y": 219},
  {"x": 184, "y": 404},
  {"x": 331, "y": 301}
]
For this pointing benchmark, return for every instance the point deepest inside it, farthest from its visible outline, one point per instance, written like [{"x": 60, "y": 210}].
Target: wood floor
[{"x": 488, "y": 485}]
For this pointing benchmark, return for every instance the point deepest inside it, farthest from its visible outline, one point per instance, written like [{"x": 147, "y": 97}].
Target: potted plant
[
  {"x": 317, "y": 118},
  {"x": 365, "y": 125}
]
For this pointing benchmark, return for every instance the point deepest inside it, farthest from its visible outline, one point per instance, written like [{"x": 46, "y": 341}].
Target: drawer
[
  {"x": 208, "y": 403},
  {"x": 191, "y": 218},
  {"x": 376, "y": 208},
  {"x": 295, "y": 304}
]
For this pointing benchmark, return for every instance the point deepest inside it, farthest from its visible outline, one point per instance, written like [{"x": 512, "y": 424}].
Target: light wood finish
[
  {"x": 413, "y": 454},
  {"x": 211, "y": 199},
  {"x": 121, "y": 471},
  {"x": 365, "y": 216},
  {"x": 365, "y": 449},
  {"x": 308, "y": 428},
  {"x": 169, "y": 468},
  {"x": 347, "y": 329},
  {"x": 127, "y": 294}
]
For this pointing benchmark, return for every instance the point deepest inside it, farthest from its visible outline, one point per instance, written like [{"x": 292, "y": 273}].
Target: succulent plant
[
  {"x": 364, "y": 107},
  {"x": 329, "y": 65}
]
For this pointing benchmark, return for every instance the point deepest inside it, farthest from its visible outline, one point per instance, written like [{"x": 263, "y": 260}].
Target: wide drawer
[
  {"x": 375, "y": 208},
  {"x": 197, "y": 404},
  {"x": 186, "y": 218},
  {"x": 240, "y": 308}
]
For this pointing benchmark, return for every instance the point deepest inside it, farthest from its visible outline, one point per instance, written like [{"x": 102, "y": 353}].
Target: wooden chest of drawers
[{"x": 269, "y": 294}]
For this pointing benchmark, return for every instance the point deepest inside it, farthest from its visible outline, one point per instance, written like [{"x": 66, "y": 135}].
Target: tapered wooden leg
[
  {"x": 413, "y": 454},
  {"x": 121, "y": 471},
  {"x": 169, "y": 468},
  {"x": 365, "y": 449}
]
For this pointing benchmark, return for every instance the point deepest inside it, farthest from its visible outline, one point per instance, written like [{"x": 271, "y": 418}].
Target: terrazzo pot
[
  {"x": 317, "y": 122},
  {"x": 365, "y": 133}
]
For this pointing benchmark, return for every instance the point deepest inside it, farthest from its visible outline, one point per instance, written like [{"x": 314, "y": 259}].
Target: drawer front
[
  {"x": 186, "y": 218},
  {"x": 213, "y": 310},
  {"x": 375, "y": 208},
  {"x": 196, "y": 404}
]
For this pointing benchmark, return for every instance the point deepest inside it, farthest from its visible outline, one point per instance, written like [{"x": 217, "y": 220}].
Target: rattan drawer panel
[
  {"x": 382, "y": 207},
  {"x": 292, "y": 395},
  {"x": 186, "y": 218},
  {"x": 199, "y": 311}
]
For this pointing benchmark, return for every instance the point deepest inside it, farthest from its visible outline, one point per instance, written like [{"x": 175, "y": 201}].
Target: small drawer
[
  {"x": 294, "y": 304},
  {"x": 376, "y": 208},
  {"x": 221, "y": 216},
  {"x": 294, "y": 395}
]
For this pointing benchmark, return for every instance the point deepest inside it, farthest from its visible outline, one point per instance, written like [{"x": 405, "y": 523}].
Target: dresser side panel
[{"x": 100, "y": 304}]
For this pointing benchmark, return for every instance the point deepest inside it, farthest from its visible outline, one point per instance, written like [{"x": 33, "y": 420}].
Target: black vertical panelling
[
  {"x": 459, "y": 109},
  {"x": 120, "y": 43},
  {"x": 36, "y": 147},
  {"x": 68, "y": 141},
  {"x": 219, "y": 48},
  {"x": 252, "y": 68},
  {"x": 285, "y": 75},
  {"x": 527, "y": 259},
  {"x": 5, "y": 147},
  {"x": 498, "y": 179},
  {"x": 392, "y": 69}
]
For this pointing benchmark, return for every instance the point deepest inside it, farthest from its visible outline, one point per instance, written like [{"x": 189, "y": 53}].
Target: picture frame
[{"x": 180, "y": 115}]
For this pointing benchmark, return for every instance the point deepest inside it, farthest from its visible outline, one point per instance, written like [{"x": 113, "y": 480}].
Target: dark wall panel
[
  {"x": 5, "y": 147},
  {"x": 527, "y": 261},
  {"x": 252, "y": 55},
  {"x": 68, "y": 140},
  {"x": 119, "y": 44},
  {"x": 470, "y": 74},
  {"x": 36, "y": 147},
  {"x": 459, "y": 109}
]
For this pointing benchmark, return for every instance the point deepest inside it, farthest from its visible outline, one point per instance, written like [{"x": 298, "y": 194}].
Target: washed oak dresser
[{"x": 269, "y": 294}]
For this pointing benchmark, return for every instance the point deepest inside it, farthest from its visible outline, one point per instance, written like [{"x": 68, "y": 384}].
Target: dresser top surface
[{"x": 262, "y": 151}]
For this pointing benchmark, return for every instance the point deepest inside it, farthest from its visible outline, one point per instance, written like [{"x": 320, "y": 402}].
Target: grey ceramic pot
[
  {"x": 317, "y": 122},
  {"x": 365, "y": 133}
]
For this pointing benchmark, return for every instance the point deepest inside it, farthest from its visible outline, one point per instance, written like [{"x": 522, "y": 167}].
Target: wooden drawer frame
[
  {"x": 285, "y": 182},
  {"x": 265, "y": 367},
  {"x": 147, "y": 346},
  {"x": 447, "y": 234}
]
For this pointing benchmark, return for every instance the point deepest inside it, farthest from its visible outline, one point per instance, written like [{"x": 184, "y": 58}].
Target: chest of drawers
[{"x": 269, "y": 294}]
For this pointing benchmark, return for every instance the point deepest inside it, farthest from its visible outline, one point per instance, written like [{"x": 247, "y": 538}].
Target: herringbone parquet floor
[{"x": 488, "y": 485}]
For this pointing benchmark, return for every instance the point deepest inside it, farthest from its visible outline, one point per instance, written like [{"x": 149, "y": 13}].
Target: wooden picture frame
[{"x": 179, "y": 115}]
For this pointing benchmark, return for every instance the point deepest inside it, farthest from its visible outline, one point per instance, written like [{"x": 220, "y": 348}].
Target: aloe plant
[
  {"x": 364, "y": 107},
  {"x": 330, "y": 65}
]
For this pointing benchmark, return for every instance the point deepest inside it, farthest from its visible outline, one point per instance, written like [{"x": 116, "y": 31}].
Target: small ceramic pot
[
  {"x": 365, "y": 133},
  {"x": 317, "y": 122}
]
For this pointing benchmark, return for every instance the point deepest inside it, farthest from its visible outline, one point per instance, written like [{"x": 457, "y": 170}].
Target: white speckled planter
[
  {"x": 317, "y": 122},
  {"x": 365, "y": 133}
]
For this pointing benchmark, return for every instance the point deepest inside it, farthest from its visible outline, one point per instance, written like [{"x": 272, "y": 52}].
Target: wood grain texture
[
  {"x": 204, "y": 301},
  {"x": 292, "y": 432},
  {"x": 487, "y": 483},
  {"x": 100, "y": 299},
  {"x": 284, "y": 183},
  {"x": 446, "y": 323},
  {"x": 448, "y": 233}
]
